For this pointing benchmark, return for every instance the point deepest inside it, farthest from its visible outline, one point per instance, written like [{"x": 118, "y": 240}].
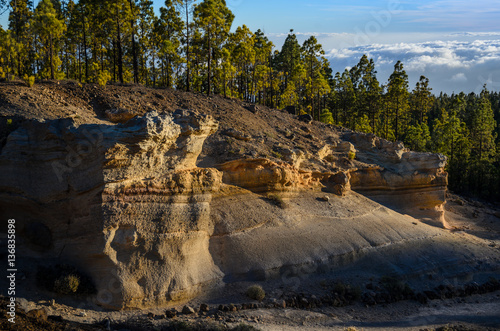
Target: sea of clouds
[
  {"x": 451, "y": 66},
  {"x": 452, "y": 62}
]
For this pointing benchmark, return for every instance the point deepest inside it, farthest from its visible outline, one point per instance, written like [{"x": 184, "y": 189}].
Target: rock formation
[
  {"x": 127, "y": 204},
  {"x": 411, "y": 182}
]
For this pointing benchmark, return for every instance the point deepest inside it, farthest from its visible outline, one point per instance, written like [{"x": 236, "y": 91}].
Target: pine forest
[{"x": 193, "y": 46}]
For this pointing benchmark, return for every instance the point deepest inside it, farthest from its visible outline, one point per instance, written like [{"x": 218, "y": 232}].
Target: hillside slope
[{"x": 168, "y": 194}]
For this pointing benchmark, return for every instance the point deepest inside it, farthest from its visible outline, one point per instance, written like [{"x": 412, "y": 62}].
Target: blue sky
[{"x": 455, "y": 43}]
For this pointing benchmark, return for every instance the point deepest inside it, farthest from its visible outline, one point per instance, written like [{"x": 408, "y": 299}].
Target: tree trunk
[
  {"x": 134, "y": 48},
  {"x": 209, "y": 78},
  {"x": 188, "y": 62},
  {"x": 51, "y": 58},
  {"x": 119, "y": 45},
  {"x": 85, "y": 49}
]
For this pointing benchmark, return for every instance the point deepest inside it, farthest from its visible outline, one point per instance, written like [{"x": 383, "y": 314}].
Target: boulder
[{"x": 305, "y": 118}]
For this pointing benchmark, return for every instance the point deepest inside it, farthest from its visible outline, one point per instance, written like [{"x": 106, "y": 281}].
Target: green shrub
[
  {"x": 351, "y": 155},
  {"x": 67, "y": 284},
  {"x": 9, "y": 121},
  {"x": 348, "y": 292},
  {"x": 29, "y": 80},
  {"x": 256, "y": 292},
  {"x": 277, "y": 155},
  {"x": 103, "y": 77}
]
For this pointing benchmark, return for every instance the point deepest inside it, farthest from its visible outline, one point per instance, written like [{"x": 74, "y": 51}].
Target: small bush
[
  {"x": 29, "y": 80},
  {"x": 277, "y": 155},
  {"x": 9, "y": 121},
  {"x": 64, "y": 279},
  {"x": 103, "y": 77},
  {"x": 256, "y": 292},
  {"x": 351, "y": 155},
  {"x": 67, "y": 284},
  {"x": 277, "y": 200},
  {"x": 396, "y": 288},
  {"x": 348, "y": 292}
]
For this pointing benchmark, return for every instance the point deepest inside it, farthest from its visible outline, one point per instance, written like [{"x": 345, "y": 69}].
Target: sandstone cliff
[
  {"x": 125, "y": 203},
  {"x": 170, "y": 203}
]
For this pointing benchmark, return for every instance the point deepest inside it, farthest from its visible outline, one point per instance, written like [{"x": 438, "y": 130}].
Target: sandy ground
[{"x": 476, "y": 312}]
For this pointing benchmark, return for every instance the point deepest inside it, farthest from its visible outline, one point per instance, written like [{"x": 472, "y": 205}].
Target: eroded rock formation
[
  {"x": 411, "y": 182},
  {"x": 263, "y": 175},
  {"x": 127, "y": 204}
]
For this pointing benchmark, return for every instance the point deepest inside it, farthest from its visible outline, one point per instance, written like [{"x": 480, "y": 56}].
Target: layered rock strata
[
  {"x": 125, "y": 203},
  {"x": 263, "y": 175},
  {"x": 410, "y": 182}
]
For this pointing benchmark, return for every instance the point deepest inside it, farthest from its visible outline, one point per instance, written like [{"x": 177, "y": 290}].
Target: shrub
[
  {"x": 64, "y": 279},
  {"x": 9, "y": 121},
  {"x": 277, "y": 155},
  {"x": 351, "y": 155},
  {"x": 349, "y": 293},
  {"x": 103, "y": 77},
  {"x": 277, "y": 200},
  {"x": 29, "y": 80},
  {"x": 67, "y": 284},
  {"x": 396, "y": 288},
  {"x": 256, "y": 292}
]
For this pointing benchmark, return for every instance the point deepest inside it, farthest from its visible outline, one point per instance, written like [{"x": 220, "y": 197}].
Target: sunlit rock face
[
  {"x": 263, "y": 175},
  {"x": 125, "y": 203},
  {"x": 411, "y": 182}
]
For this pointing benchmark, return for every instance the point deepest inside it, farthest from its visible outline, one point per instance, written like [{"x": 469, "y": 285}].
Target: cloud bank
[{"x": 451, "y": 66}]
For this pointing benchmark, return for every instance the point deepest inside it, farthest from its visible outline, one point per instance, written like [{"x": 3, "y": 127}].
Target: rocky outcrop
[
  {"x": 125, "y": 203},
  {"x": 263, "y": 175},
  {"x": 411, "y": 182}
]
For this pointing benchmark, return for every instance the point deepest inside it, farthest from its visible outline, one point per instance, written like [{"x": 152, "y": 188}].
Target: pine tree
[
  {"x": 149, "y": 42},
  {"x": 421, "y": 101},
  {"x": 368, "y": 92},
  {"x": 214, "y": 20},
  {"x": 346, "y": 99},
  {"x": 170, "y": 29},
  {"x": 316, "y": 84},
  {"x": 21, "y": 32},
  {"x": 243, "y": 55},
  {"x": 186, "y": 9},
  {"x": 397, "y": 100},
  {"x": 262, "y": 69},
  {"x": 483, "y": 128},
  {"x": 288, "y": 60},
  {"x": 50, "y": 28}
]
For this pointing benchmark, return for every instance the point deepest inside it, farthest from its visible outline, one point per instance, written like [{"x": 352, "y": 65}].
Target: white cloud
[
  {"x": 459, "y": 78},
  {"x": 450, "y": 65}
]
